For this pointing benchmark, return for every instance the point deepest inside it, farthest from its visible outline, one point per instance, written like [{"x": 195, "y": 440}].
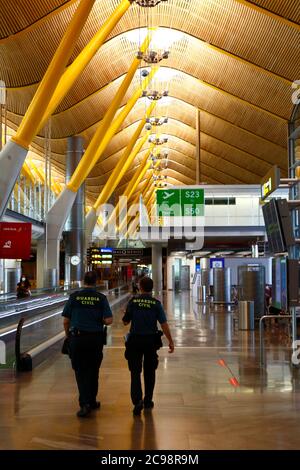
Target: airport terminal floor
[{"x": 210, "y": 394}]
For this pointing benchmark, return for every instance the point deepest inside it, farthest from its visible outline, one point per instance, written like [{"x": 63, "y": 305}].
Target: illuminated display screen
[
  {"x": 278, "y": 224},
  {"x": 100, "y": 256}
]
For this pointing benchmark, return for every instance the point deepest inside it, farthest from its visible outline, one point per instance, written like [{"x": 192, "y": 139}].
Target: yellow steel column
[
  {"x": 31, "y": 121},
  {"x": 118, "y": 173},
  {"x": 149, "y": 198},
  {"x": 132, "y": 186},
  {"x": 132, "y": 227},
  {"x": 76, "y": 68},
  {"x": 125, "y": 162},
  {"x": 139, "y": 174},
  {"x": 104, "y": 134},
  {"x": 144, "y": 165},
  {"x": 135, "y": 201}
]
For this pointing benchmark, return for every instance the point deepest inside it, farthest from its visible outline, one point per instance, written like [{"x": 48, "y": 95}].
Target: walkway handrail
[{"x": 23, "y": 361}]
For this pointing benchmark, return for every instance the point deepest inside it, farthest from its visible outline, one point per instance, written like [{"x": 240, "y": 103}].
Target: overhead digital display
[{"x": 278, "y": 224}]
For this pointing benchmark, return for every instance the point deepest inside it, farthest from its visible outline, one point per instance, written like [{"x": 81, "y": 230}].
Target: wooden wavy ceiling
[{"x": 235, "y": 60}]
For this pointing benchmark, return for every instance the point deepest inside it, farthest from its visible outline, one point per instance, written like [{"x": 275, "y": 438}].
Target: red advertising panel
[
  {"x": 129, "y": 272},
  {"x": 15, "y": 240}
]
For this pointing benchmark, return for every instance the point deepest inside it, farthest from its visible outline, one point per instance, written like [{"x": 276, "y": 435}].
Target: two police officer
[
  {"x": 85, "y": 315},
  {"x": 143, "y": 341}
]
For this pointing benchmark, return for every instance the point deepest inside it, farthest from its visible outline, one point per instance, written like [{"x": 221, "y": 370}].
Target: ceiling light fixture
[
  {"x": 154, "y": 95},
  {"x": 159, "y": 156},
  {"x": 147, "y": 3},
  {"x": 156, "y": 121},
  {"x": 157, "y": 140},
  {"x": 152, "y": 57}
]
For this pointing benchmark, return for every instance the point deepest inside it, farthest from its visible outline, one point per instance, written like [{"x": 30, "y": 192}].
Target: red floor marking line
[
  {"x": 234, "y": 382},
  {"x": 222, "y": 363}
]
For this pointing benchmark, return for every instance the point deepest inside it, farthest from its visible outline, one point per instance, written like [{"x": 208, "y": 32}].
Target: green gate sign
[
  {"x": 192, "y": 202},
  {"x": 180, "y": 202},
  {"x": 168, "y": 202}
]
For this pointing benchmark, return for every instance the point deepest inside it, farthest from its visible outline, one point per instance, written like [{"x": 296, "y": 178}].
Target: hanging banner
[{"x": 15, "y": 240}]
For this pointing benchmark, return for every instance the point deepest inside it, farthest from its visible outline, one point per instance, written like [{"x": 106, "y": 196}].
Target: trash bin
[
  {"x": 201, "y": 294},
  {"x": 246, "y": 315}
]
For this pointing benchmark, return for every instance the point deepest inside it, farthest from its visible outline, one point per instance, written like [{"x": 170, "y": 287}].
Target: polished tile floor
[{"x": 210, "y": 394}]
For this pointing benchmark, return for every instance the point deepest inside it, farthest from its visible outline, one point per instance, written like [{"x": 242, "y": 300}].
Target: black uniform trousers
[
  {"x": 141, "y": 354},
  {"x": 86, "y": 352}
]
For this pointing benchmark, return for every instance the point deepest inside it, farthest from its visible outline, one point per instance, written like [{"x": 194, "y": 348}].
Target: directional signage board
[
  {"x": 180, "y": 202},
  {"x": 270, "y": 182},
  {"x": 192, "y": 202},
  {"x": 169, "y": 202}
]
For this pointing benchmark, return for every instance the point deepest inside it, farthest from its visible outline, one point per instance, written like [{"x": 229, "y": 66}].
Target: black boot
[
  {"x": 138, "y": 408},
  {"x": 84, "y": 411},
  {"x": 95, "y": 405}
]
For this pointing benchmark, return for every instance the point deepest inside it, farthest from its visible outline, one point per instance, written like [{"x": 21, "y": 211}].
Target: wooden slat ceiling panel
[
  {"x": 249, "y": 143},
  {"x": 225, "y": 23},
  {"x": 227, "y": 152},
  {"x": 24, "y": 58},
  {"x": 184, "y": 172},
  {"x": 185, "y": 160},
  {"x": 22, "y": 14},
  {"x": 235, "y": 111},
  {"x": 235, "y": 28},
  {"x": 175, "y": 171},
  {"x": 179, "y": 129},
  {"x": 289, "y": 9},
  {"x": 218, "y": 174},
  {"x": 210, "y": 124},
  {"x": 202, "y": 62},
  {"x": 215, "y": 161},
  {"x": 233, "y": 76},
  {"x": 184, "y": 163},
  {"x": 119, "y": 141},
  {"x": 184, "y": 147},
  {"x": 175, "y": 110},
  {"x": 190, "y": 90}
]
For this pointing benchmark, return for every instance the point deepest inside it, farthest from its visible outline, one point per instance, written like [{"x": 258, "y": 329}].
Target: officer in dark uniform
[
  {"x": 85, "y": 314},
  {"x": 143, "y": 341}
]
